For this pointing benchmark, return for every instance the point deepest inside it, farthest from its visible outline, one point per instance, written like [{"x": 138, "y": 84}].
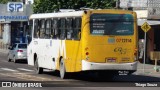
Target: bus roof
[
  {"x": 74, "y": 13},
  {"x": 59, "y": 14}
]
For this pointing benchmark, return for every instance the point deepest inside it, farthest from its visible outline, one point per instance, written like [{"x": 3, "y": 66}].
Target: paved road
[{"x": 10, "y": 71}]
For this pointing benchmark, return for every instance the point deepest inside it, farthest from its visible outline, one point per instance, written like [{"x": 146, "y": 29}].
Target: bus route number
[{"x": 123, "y": 40}]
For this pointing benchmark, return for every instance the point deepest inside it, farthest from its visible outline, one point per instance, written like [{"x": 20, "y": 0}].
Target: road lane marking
[
  {"x": 23, "y": 69},
  {"x": 26, "y": 76},
  {"x": 8, "y": 69}
]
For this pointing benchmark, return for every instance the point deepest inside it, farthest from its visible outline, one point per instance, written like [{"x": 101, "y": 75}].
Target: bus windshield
[{"x": 111, "y": 24}]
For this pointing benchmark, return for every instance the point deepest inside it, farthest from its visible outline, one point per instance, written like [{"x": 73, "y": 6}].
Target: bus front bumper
[{"x": 108, "y": 66}]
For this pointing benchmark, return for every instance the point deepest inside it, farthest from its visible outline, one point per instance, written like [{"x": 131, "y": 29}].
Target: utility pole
[{"x": 117, "y": 4}]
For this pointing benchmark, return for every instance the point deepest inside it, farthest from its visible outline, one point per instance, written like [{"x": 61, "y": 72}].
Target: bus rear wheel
[
  {"x": 63, "y": 73},
  {"x": 38, "y": 69}
]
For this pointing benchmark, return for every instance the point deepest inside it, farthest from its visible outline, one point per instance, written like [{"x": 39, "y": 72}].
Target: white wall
[{"x": 6, "y": 34}]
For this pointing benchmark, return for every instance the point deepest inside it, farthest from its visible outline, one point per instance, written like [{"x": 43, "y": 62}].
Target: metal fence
[
  {"x": 154, "y": 9},
  {"x": 153, "y": 6},
  {"x": 133, "y": 3}
]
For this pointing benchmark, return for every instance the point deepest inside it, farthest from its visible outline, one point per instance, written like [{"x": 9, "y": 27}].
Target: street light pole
[{"x": 117, "y": 4}]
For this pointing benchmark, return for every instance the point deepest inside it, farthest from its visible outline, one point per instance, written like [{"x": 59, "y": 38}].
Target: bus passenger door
[
  {"x": 76, "y": 63},
  {"x": 41, "y": 52},
  {"x": 49, "y": 59}
]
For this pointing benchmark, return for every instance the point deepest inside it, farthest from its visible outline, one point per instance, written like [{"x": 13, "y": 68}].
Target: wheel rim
[
  {"x": 62, "y": 70},
  {"x": 36, "y": 65}
]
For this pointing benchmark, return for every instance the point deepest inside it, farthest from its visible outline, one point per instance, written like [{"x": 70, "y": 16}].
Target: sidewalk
[
  {"x": 147, "y": 69},
  {"x": 5, "y": 51}
]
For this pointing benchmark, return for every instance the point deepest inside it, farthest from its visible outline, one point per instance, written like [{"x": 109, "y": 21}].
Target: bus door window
[
  {"x": 69, "y": 28},
  {"x": 29, "y": 35},
  {"x": 36, "y": 28},
  {"x": 62, "y": 28},
  {"x": 48, "y": 29},
  {"x": 42, "y": 29},
  {"x": 77, "y": 28}
]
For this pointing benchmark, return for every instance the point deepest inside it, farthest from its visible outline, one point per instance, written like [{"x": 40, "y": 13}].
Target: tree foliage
[
  {"x": 45, "y": 6},
  {"x": 3, "y": 1}
]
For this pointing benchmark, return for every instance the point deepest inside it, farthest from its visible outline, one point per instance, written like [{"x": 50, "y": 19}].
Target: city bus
[{"x": 84, "y": 41}]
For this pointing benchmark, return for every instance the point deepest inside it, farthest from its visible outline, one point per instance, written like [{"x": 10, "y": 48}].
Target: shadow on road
[
  {"x": 87, "y": 80},
  {"x": 117, "y": 78}
]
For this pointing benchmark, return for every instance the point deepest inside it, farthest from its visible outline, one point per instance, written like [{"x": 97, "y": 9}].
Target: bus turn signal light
[
  {"x": 135, "y": 51},
  {"x": 87, "y": 53}
]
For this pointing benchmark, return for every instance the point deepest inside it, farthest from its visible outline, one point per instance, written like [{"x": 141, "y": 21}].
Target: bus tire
[
  {"x": 63, "y": 73},
  {"x": 38, "y": 69}
]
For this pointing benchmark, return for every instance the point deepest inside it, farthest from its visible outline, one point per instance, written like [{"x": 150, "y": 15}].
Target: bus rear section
[{"x": 110, "y": 43}]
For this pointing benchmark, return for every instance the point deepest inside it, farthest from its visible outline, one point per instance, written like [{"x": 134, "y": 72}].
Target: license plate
[{"x": 111, "y": 60}]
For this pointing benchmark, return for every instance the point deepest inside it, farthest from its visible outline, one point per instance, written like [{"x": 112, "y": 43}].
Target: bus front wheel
[
  {"x": 38, "y": 69},
  {"x": 63, "y": 73}
]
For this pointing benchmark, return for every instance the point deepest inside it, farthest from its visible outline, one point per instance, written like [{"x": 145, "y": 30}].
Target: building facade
[
  {"x": 14, "y": 23},
  {"x": 147, "y": 11}
]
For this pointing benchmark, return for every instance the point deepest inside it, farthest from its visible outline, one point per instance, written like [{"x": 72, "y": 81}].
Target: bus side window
[
  {"x": 62, "y": 28},
  {"x": 42, "y": 28},
  {"x": 69, "y": 28},
  {"x": 55, "y": 31},
  {"x": 29, "y": 34},
  {"x": 77, "y": 28},
  {"x": 48, "y": 29},
  {"x": 36, "y": 28}
]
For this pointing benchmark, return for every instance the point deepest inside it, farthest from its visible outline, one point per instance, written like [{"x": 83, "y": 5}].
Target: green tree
[
  {"x": 102, "y": 4},
  {"x": 3, "y": 1},
  {"x": 45, "y": 6}
]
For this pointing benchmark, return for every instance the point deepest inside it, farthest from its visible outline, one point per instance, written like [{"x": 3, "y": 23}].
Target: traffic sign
[{"x": 145, "y": 27}]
